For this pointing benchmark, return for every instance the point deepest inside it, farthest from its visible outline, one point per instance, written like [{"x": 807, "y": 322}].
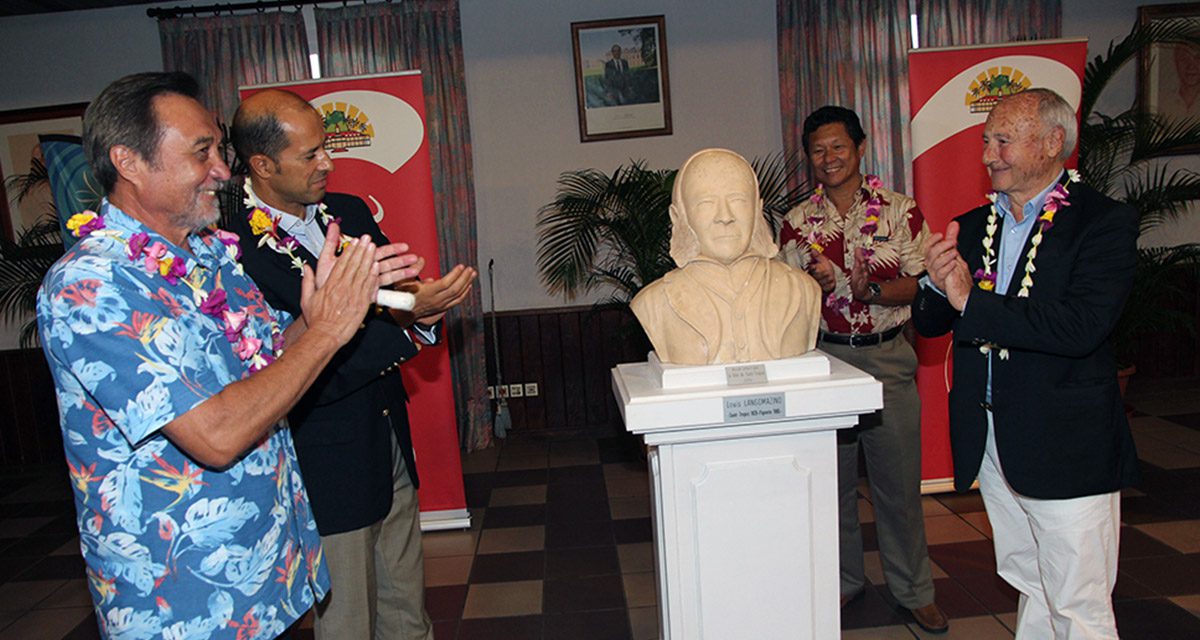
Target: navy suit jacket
[
  {"x": 343, "y": 423},
  {"x": 1060, "y": 424}
]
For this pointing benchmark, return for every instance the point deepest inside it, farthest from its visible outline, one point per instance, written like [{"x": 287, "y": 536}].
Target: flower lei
[
  {"x": 265, "y": 225},
  {"x": 155, "y": 258},
  {"x": 985, "y": 276},
  {"x": 869, "y": 227}
]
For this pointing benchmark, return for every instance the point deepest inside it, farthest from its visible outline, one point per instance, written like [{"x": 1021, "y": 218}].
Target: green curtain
[
  {"x": 427, "y": 35},
  {"x": 852, "y": 54},
  {"x": 952, "y": 23},
  {"x": 225, "y": 52}
]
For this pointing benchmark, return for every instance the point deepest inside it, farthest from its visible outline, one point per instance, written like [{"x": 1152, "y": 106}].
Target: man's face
[
  {"x": 1021, "y": 153},
  {"x": 1187, "y": 65},
  {"x": 834, "y": 157},
  {"x": 182, "y": 183},
  {"x": 720, "y": 205},
  {"x": 302, "y": 168},
  {"x": 616, "y": 52}
]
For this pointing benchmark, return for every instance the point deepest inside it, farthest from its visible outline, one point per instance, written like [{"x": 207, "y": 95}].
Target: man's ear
[
  {"x": 261, "y": 166},
  {"x": 129, "y": 163},
  {"x": 1054, "y": 142}
]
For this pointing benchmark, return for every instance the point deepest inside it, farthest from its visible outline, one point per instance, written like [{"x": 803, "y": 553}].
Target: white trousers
[{"x": 1061, "y": 555}]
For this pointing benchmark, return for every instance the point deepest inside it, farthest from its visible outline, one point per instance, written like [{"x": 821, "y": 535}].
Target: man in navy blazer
[
  {"x": 351, "y": 429},
  {"x": 1032, "y": 287}
]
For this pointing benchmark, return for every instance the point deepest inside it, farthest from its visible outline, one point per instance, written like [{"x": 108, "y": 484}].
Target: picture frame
[
  {"x": 19, "y": 145},
  {"x": 622, "y": 83},
  {"x": 1169, "y": 75}
]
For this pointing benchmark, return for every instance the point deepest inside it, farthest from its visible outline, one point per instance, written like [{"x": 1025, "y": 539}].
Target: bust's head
[{"x": 716, "y": 211}]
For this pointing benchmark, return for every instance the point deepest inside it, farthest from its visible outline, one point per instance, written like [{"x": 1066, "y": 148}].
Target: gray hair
[
  {"x": 685, "y": 247},
  {"x": 1054, "y": 112}
]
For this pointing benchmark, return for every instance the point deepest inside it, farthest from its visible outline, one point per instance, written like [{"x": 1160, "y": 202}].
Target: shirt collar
[
  {"x": 1033, "y": 208},
  {"x": 198, "y": 251}
]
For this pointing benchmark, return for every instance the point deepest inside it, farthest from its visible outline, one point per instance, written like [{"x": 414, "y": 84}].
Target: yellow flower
[
  {"x": 987, "y": 285},
  {"x": 260, "y": 222},
  {"x": 164, "y": 265},
  {"x": 78, "y": 220}
]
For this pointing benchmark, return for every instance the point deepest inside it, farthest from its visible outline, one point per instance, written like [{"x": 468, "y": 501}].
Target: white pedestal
[{"x": 744, "y": 484}]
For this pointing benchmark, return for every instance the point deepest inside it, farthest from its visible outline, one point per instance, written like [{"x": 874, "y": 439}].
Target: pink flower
[
  {"x": 176, "y": 270},
  {"x": 874, "y": 183},
  {"x": 214, "y": 304},
  {"x": 137, "y": 242},
  {"x": 235, "y": 322},
  {"x": 247, "y": 347}
]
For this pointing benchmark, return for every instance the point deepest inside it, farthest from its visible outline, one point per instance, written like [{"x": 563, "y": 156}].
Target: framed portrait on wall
[
  {"x": 1169, "y": 76},
  {"x": 621, "y": 82},
  {"x": 20, "y": 152}
]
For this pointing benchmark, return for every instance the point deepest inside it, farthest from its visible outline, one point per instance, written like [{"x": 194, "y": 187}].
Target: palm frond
[
  {"x": 1160, "y": 194},
  {"x": 1101, "y": 69},
  {"x": 613, "y": 232},
  {"x": 20, "y": 185},
  {"x": 23, "y": 264}
]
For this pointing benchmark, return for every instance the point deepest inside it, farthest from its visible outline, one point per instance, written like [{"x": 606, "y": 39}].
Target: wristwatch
[{"x": 875, "y": 290}]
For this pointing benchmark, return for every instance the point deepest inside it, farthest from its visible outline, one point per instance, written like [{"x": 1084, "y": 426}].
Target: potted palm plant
[
  {"x": 1122, "y": 156},
  {"x": 612, "y": 232}
]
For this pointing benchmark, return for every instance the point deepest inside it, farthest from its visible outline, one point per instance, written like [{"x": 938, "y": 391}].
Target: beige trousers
[{"x": 377, "y": 575}]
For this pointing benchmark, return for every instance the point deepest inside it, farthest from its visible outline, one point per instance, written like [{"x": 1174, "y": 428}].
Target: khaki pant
[
  {"x": 377, "y": 575},
  {"x": 891, "y": 444}
]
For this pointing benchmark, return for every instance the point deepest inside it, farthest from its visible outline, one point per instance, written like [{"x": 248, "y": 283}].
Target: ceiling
[{"x": 26, "y": 7}]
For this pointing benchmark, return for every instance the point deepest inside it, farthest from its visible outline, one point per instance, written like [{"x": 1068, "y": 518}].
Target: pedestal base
[{"x": 744, "y": 485}]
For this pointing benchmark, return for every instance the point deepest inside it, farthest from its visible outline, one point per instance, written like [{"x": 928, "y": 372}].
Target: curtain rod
[{"x": 217, "y": 9}]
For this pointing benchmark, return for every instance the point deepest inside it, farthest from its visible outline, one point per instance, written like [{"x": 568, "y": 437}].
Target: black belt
[{"x": 855, "y": 340}]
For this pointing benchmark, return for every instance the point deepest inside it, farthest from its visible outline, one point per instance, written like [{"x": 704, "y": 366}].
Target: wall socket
[{"x": 518, "y": 390}]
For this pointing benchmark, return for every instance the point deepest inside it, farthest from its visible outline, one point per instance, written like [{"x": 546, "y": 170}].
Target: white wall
[
  {"x": 524, "y": 127},
  {"x": 520, "y": 86}
]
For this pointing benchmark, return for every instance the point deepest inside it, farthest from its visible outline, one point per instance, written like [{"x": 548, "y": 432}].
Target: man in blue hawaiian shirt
[{"x": 172, "y": 376}]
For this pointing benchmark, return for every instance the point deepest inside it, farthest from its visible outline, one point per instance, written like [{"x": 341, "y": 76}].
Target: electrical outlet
[
  {"x": 531, "y": 389},
  {"x": 503, "y": 390},
  {"x": 491, "y": 392},
  {"x": 515, "y": 391}
]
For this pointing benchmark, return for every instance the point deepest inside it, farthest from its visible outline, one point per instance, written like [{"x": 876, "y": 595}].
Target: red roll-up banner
[
  {"x": 375, "y": 131},
  {"x": 951, "y": 92}
]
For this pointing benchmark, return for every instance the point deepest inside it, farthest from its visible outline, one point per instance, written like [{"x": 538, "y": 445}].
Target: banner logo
[
  {"x": 990, "y": 86},
  {"x": 346, "y": 127}
]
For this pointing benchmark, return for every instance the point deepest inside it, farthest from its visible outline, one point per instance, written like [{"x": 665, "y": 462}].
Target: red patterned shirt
[{"x": 892, "y": 244}]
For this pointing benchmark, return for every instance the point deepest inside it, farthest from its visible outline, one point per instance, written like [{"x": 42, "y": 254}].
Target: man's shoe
[{"x": 930, "y": 618}]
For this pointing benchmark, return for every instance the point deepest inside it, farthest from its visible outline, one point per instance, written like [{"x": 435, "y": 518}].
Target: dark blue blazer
[
  {"x": 343, "y": 423},
  {"x": 1060, "y": 424}
]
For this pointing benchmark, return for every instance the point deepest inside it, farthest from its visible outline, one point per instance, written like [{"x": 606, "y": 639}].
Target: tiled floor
[{"x": 561, "y": 547}]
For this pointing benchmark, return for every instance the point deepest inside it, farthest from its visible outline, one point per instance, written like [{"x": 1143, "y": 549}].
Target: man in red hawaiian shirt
[{"x": 862, "y": 243}]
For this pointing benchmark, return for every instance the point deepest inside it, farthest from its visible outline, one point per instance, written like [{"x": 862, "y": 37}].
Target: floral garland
[
  {"x": 870, "y": 225},
  {"x": 155, "y": 258},
  {"x": 985, "y": 276},
  {"x": 265, "y": 225}
]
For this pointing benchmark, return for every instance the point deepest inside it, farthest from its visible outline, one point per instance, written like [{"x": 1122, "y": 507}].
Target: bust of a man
[{"x": 728, "y": 301}]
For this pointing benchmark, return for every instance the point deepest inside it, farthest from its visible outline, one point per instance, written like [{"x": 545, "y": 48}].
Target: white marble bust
[{"x": 728, "y": 301}]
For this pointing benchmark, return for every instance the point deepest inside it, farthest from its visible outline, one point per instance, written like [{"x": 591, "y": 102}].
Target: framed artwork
[
  {"x": 1169, "y": 75},
  {"x": 621, "y": 79},
  {"x": 20, "y": 150}
]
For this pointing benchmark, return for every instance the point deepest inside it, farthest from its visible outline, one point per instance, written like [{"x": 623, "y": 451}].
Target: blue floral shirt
[{"x": 173, "y": 549}]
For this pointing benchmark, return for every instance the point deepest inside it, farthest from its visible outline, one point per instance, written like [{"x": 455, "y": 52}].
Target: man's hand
[
  {"x": 859, "y": 277},
  {"x": 336, "y": 307},
  {"x": 822, "y": 270},
  {"x": 946, "y": 268},
  {"x": 436, "y": 297},
  {"x": 396, "y": 264}
]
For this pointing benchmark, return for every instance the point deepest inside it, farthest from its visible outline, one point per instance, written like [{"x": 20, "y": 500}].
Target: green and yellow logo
[
  {"x": 990, "y": 86},
  {"x": 346, "y": 127}
]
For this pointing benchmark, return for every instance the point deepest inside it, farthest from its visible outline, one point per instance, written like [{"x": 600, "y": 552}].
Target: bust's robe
[{"x": 708, "y": 313}]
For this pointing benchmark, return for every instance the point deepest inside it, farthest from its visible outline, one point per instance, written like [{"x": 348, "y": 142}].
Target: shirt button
[{"x": 385, "y": 412}]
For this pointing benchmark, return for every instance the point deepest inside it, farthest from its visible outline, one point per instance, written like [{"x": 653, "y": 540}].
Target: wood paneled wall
[
  {"x": 569, "y": 353},
  {"x": 29, "y": 431}
]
